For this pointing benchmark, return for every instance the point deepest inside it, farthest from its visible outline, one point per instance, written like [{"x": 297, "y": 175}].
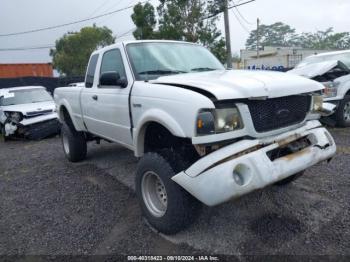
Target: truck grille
[
  {"x": 280, "y": 112},
  {"x": 38, "y": 113}
]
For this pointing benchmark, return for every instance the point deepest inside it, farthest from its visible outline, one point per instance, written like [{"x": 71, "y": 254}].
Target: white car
[
  {"x": 27, "y": 112},
  {"x": 204, "y": 134},
  {"x": 333, "y": 71}
]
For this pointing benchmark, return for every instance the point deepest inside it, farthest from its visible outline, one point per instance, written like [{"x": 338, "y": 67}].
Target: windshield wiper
[
  {"x": 202, "y": 69},
  {"x": 161, "y": 72}
]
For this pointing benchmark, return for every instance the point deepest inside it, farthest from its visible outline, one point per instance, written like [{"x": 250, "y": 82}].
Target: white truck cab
[{"x": 204, "y": 134}]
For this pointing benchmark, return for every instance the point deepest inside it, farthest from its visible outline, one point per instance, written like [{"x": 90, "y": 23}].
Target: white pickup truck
[{"x": 204, "y": 134}]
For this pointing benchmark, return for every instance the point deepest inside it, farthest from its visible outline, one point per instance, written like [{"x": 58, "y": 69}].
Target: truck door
[{"x": 106, "y": 108}]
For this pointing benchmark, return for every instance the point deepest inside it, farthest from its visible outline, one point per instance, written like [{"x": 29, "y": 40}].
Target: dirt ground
[{"x": 51, "y": 207}]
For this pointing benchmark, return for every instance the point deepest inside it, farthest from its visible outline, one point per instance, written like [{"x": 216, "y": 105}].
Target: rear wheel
[
  {"x": 74, "y": 144},
  {"x": 289, "y": 179},
  {"x": 342, "y": 114},
  {"x": 166, "y": 206}
]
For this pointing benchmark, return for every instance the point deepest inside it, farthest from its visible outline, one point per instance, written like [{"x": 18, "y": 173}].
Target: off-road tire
[
  {"x": 341, "y": 121},
  {"x": 182, "y": 208},
  {"x": 289, "y": 179},
  {"x": 74, "y": 144}
]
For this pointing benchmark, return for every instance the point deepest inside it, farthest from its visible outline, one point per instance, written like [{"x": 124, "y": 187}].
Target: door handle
[{"x": 95, "y": 97}]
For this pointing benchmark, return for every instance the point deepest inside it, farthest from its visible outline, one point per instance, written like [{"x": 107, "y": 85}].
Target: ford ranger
[{"x": 203, "y": 134}]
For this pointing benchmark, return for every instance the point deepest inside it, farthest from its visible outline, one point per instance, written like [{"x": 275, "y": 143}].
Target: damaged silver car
[
  {"x": 333, "y": 71},
  {"x": 27, "y": 112}
]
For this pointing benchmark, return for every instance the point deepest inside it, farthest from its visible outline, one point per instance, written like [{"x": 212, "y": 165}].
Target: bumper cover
[
  {"x": 40, "y": 130},
  {"x": 226, "y": 174}
]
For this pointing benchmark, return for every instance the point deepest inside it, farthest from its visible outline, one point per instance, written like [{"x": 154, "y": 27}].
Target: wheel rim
[
  {"x": 65, "y": 143},
  {"x": 347, "y": 112},
  {"x": 154, "y": 194}
]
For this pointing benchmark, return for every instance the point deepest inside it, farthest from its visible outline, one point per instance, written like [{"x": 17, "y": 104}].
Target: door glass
[
  {"x": 112, "y": 61},
  {"x": 91, "y": 71}
]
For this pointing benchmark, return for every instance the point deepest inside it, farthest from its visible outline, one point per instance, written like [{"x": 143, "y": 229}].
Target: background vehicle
[
  {"x": 333, "y": 71},
  {"x": 27, "y": 112},
  {"x": 203, "y": 133}
]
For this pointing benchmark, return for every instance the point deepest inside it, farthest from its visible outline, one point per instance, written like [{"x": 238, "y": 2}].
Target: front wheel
[
  {"x": 166, "y": 206},
  {"x": 289, "y": 179},
  {"x": 74, "y": 144},
  {"x": 342, "y": 114}
]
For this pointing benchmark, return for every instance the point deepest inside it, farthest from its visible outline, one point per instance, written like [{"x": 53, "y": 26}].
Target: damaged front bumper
[
  {"x": 248, "y": 165},
  {"x": 34, "y": 128}
]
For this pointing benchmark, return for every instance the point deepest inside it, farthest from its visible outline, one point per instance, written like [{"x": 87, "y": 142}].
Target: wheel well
[
  {"x": 157, "y": 138},
  {"x": 65, "y": 117},
  {"x": 348, "y": 93}
]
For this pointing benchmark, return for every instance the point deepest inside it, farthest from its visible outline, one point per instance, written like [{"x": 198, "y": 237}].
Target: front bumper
[
  {"x": 245, "y": 166},
  {"x": 34, "y": 128}
]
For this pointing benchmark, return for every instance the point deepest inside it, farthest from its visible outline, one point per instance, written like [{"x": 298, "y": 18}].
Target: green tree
[
  {"x": 145, "y": 21},
  {"x": 277, "y": 34},
  {"x": 324, "y": 40},
  {"x": 72, "y": 52}
]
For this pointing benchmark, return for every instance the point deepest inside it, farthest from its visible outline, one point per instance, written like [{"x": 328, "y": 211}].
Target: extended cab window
[
  {"x": 91, "y": 71},
  {"x": 112, "y": 61}
]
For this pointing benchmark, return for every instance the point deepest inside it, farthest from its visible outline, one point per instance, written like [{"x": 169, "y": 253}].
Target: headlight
[
  {"x": 317, "y": 103},
  {"x": 331, "y": 89},
  {"x": 15, "y": 117},
  {"x": 216, "y": 121}
]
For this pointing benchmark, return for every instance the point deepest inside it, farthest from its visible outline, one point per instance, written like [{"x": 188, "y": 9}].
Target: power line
[
  {"x": 230, "y": 7},
  {"x": 240, "y": 14},
  {"x": 99, "y": 8},
  {"x": 24, "y": 48},
  {"x": 240, "y": 22},
  {"x": 71, "y": 23}
]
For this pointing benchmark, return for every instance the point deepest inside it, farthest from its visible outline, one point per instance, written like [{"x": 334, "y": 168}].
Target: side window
[
  {"x": 91, "y": 71},
  {"x": 112, "y": 61}
]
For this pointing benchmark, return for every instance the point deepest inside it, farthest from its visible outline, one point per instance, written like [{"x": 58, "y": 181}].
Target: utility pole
[
  {"x": 257, "y": 38},
  {"x": 228, "y": 35}
]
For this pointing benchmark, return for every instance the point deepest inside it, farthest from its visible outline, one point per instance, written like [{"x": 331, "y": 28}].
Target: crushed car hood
[
  {"x": 238, "y": 84},
  {"x": 314, "y": 69},
  {"x": 30, "y": 108}
]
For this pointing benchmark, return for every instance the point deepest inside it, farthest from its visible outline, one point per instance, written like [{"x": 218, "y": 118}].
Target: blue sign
[{"x": 263, "y": 67}]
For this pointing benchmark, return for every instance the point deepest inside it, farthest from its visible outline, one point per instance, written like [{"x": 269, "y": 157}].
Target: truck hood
[
  {"x": 32, "y": 109},
  {"x": 315, "y": 69},
  {"x": 238, "y": 84}
]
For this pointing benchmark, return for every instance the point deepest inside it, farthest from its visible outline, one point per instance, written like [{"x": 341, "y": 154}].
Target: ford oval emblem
[{"x": 282, "y": 113}]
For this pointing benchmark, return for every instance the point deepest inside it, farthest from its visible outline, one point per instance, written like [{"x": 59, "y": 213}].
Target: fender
[
  {"x": 160, "y": 117},
  {"x": 63, "y": 102}
]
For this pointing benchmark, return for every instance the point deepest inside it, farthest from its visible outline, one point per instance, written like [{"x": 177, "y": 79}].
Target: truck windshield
[
  {"x": 152, "y": 60},
  {"x": 26, "y": 97},
  {"x": 342, "y": 57}
]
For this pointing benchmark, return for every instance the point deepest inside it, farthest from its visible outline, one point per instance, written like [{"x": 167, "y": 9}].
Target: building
[
  {"x": 275, "y": 58},
  {"x": 22, "y": 70}
]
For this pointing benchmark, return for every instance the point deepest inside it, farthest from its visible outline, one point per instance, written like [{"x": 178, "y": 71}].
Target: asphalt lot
[{"x": 50, "y": 206}]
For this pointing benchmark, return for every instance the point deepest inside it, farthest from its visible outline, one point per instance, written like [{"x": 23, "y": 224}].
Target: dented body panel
[{"x": 214, "y": 181}]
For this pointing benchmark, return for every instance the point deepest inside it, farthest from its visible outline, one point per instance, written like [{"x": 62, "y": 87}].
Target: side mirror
[{"x": 113, "y": 79}]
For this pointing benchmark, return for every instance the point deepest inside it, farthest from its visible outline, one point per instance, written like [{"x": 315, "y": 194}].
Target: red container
[{"x": 21, "y": 70}]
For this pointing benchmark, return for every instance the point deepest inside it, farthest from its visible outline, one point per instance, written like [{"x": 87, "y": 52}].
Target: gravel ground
[{"x": 50, "y": 206}]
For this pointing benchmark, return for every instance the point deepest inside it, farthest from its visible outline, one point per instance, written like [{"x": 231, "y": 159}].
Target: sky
[{"x": 23, "y": 15}]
